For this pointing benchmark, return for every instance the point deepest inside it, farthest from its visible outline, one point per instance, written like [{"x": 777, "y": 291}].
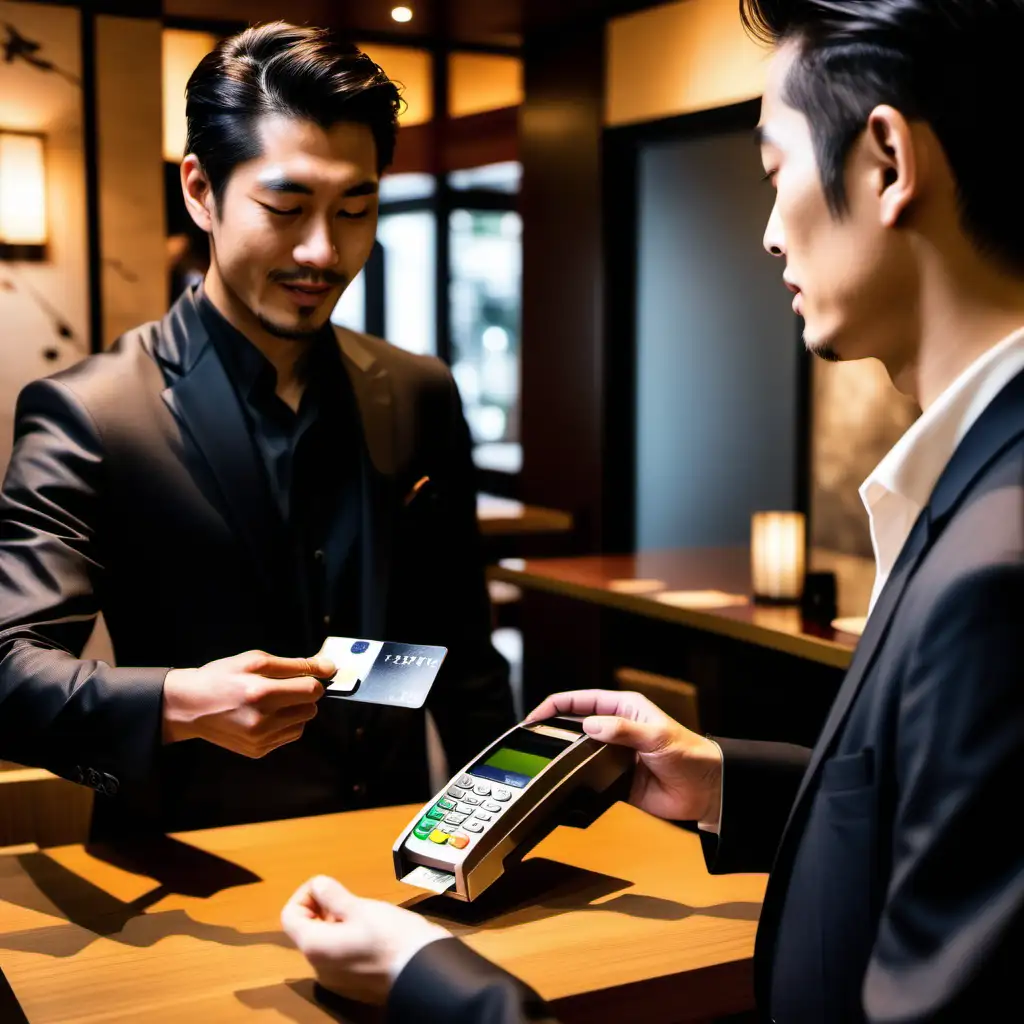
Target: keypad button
[
  {"x": 463, "y": 808},
  {"x": 490, "y": 805},
  {"x": 456, "y": 793},
  {"x": 483, "y": 815},
  {"x": 501, "y": 794},
  {"x": 465, "y": 781},
  {"x": 473, "y": 801},
  {"x": 446, "y": 829},
  {"x": 482, "y": 789},
  {"x": 437, "y": 836},
  {"x": 436, "y": 813},
  {"x": 459, "y": 841},
  {"x": 446, "y": 804},
  {"x": 423, "y": 828},
  {"x": 473, "y": 826},
  {"x": 455, "y": 818}
]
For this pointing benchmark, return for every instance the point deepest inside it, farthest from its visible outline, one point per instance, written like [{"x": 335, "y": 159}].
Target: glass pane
[
  {"x": 394, "y": 187},
  {"x": 409, "y": 290},
  {"x": 502, "y": 177},
  {"x": 486, "y": 285},
  {"x": 350, "y": 311}
]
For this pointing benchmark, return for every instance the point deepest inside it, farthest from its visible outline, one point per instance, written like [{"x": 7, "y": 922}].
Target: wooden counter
[
  {"x": 620, "y": 920},
  {"x": 706, "y": 589},
  {"x": 503, "y": 517}
]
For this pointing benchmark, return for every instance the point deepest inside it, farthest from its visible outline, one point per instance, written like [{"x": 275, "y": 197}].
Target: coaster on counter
[
  {"x": 630, "y": 586},
  {"x": 852, "y": 624},
  {"x": 701, "y": 599}
]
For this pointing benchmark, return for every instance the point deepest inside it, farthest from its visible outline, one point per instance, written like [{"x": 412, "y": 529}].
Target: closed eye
[
  {"x": 281, "y": 213},
  {"x": 344, "y": 214}
]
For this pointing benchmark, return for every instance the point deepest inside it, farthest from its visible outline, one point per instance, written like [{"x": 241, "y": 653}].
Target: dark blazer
[
  {"x": 134, "y": 489},
  {"x": 897, "y": 865}
]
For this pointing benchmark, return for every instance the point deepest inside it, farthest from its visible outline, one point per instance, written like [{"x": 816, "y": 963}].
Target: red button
[{"x": 458, "y": 840}]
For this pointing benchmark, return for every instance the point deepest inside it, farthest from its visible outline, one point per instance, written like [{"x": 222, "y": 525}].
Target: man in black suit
[
  {"x": 897, "y": 870},
  {"x": 243, "y": 477}
]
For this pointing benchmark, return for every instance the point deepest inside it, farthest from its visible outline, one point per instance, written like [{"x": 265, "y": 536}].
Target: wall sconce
[
  {"x": 22, "y": 196},
  {"x": 778, "y": 556}
]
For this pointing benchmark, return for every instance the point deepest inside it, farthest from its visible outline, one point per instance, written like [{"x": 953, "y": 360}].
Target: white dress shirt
[{"x": 901, "y": 486}]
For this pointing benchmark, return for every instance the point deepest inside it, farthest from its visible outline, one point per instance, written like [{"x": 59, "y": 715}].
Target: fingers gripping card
[{"x": 379, "y": 672}]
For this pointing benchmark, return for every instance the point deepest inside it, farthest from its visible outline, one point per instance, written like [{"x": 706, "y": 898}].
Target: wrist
[
  {"x": 711, "y": 756},
  {"x": 176, "y": 722}
]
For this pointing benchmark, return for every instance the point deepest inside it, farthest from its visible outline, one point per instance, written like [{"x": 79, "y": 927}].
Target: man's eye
[
  {"x": 280, "y": 213},
  {"x": 770, "y": 177},
  {"x": 358, "y": 215}
]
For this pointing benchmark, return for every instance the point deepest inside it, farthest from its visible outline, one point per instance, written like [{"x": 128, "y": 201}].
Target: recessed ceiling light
[{"x": 402, "y": 14}]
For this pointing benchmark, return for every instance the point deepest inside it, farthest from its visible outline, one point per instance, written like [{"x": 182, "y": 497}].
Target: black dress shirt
[{"x": 311, "y": 458}]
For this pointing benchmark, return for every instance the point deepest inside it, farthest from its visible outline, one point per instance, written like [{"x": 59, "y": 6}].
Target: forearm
[
  {"x": 447, "y": 983},
  {"x": 70, "y": 715},
  {"x": 759, "y": 784}
]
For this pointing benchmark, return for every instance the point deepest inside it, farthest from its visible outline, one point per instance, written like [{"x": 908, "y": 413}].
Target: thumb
[
  {"x": 321, "y": 667},
  {"x": 333, "y": 898},
  {"x": 644, "y": 737}
]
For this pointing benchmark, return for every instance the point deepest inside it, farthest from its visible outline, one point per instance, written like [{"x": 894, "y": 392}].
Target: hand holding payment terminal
[{"x": 533, "y": 778}]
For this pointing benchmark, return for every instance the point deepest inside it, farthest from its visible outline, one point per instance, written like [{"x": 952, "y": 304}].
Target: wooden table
[
  {"x": 706, "y": 589},
  {"x": 503, "y": 517},
  {"x": 618, "y": 920}
]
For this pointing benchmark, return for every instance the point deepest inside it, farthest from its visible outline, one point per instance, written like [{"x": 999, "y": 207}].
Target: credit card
[{"x": 381, "y": 672}]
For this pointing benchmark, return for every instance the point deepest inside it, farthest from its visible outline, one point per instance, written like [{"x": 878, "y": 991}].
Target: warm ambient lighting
[
  {"x": 22, "y": 196},
  {"x": 402, "y": 14},
  {"x": 777, "y": 556}
]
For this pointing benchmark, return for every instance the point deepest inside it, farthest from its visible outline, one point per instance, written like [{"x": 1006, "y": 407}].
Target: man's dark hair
[
  {"x": 953, "y": 64},
  {"x": 307, "y": 73}
]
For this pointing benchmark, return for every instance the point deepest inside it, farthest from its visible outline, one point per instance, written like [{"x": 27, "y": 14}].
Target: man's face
[
  {"x": 295, "y": 225},
  {"x": 852, "y": 277}
]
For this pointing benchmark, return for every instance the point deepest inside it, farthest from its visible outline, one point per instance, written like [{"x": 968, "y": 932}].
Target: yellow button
[{"x": 437, "y": 836}]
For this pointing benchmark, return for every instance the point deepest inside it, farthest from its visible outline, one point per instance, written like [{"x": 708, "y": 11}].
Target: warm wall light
[
  {"x": 777, "y": 556},
  {"x": 22, "y": 196},
  {"x": 402, "y": 14}
]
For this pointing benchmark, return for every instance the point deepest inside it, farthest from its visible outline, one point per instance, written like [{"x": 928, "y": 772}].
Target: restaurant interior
[{"x": 668, "y": 483}]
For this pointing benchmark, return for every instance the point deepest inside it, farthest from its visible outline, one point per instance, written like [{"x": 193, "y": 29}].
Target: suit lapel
[
  {"x": 371, "y": 385},
  {"x": 204, "y": 402}
]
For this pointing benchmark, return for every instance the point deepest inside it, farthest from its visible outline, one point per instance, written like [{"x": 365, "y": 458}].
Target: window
[{"x": 485, "y": 288}]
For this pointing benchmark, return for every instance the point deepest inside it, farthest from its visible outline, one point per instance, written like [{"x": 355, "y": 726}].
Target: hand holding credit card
[{"x": 380, "y": 672}]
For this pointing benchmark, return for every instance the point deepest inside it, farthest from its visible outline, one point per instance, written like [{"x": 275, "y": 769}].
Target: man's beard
[
  {"x": 301, "y": 332},
  {"x": 826, "y": 352},
  {"x": 294, "y": 333}
]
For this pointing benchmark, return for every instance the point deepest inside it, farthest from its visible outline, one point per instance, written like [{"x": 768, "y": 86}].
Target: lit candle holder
[{"x": 778, "y": 556}]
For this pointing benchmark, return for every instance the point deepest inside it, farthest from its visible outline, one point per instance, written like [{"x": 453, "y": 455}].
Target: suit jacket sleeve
[
  {"x": 56, "y": 710},
  {"x": 447, "y": 983},
  {"x": 471, "y": 702},
  {"x": 759, "y": 785},
  {"x": 952, "y": 924}
]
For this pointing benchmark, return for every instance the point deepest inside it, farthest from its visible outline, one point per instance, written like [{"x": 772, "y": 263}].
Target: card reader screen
[{"x": 522, "y": 757}]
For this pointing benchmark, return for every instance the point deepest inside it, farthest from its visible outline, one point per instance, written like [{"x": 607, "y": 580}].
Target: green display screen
[{"x": 506, "y": 759}]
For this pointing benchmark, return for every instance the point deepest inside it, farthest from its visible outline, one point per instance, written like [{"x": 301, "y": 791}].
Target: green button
[
  {"x": 435, "y": 813},
  {"x": 448, "y": 805},
  {"x": 423, "y": 828}
]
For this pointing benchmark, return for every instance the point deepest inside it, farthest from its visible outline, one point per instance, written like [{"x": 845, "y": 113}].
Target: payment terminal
[{"x": 536, "y": 776}]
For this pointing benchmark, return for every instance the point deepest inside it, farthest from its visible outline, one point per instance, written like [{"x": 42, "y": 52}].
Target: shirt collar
[{"x": 913, "y": 467}]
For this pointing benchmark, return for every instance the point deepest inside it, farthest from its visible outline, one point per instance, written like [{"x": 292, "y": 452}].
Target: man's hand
[
  {"x": 678, "y": 774},
  {"x": 248, "y": 704},
  {"x": 357, "y": 947}
]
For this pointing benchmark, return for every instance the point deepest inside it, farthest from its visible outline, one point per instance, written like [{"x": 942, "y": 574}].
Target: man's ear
[
  {"x": 196, "y": 190},
  {"x": 895, "y": 162}
]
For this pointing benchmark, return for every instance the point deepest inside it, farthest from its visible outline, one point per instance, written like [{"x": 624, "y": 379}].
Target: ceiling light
[{"x": 402, "y": 14}]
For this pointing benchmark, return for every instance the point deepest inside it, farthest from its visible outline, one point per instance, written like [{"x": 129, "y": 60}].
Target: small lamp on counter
[
  {"x": 778, "y": 557},
  {"x": 22, "y": 196}
]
